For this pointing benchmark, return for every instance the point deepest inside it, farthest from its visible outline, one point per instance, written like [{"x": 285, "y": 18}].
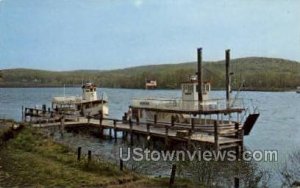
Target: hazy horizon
[{"x": 62, "y": 35}]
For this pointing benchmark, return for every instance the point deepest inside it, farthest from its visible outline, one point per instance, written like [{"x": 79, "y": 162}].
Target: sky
[{"x": 111, "y": 34}]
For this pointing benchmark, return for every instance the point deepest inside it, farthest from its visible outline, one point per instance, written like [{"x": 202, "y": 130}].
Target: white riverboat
[
  {"x": 195, "y": 105},
  {"x": 87, "y": 105}
]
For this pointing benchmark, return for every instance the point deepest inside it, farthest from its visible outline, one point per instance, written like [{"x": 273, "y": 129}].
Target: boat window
[
  {"x": 87, "y": 90},
  {"x": 188, "y": 89}
]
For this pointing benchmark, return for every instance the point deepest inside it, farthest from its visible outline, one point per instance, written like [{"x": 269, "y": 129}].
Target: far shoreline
[{"x": 215, "y": 89}]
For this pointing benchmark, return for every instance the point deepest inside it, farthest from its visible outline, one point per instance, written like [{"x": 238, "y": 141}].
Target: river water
[{"x": 277, "y": 128}]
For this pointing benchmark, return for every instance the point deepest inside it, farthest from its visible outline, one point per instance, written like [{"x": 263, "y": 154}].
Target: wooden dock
[{"x": 215, "y": 136}]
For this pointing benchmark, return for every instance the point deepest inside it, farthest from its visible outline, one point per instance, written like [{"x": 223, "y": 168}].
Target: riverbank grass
[{"x": 32, "y": 159}]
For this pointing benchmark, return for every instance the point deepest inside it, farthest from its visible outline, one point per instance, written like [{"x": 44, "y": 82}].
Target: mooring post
[
  {"x": 148, "y": 129},
  {"x": 131, "y": 136},
  {"x": 173, "y": 173},
  {"x": 110, "y": 133},
  {"x": 148, "y": 135},
  {"x": 78, "y": 153},
  {"x": 189, "y": 139},
  {"x": 100, "y": 117},
  {"x": 216, "y": 128},
  {"x": 155, "y": 119},
  {"x": 121, "y": 164},
  {"x": 236, "y": 182},
  {"x": 242, "y": 143},
  {"x": 22, "y": 113},
  {"x": 237, "y": 136},
  {"x": 193, "y": 124},
  {"x": 166, "y": 136},
  {"x": 115, "y": 130},
  {"x": 89, "y": 156},
  {"x": 62, "y": 122},
  {"x": 138, "y": 117},
  {"x": 236, "y": 128},
  {"x": 100, "y": 123},
  {"x": 172, "y": 120},
  {"x": 89, "y": 118}
]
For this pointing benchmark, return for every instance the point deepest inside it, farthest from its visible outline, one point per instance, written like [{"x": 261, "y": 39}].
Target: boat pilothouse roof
[{"x": 195, "y": 102}]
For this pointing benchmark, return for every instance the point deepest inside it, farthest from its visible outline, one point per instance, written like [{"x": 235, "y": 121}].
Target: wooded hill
[{"x": 254, "y": 73}]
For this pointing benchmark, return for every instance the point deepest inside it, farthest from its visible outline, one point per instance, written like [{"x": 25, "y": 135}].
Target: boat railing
[{"x": 188, "y": 105}]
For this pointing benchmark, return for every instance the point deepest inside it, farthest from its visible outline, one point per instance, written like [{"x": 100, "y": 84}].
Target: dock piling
[
  {"x": 216, "y": 134},
  {"x": 62, "y": 122},
  {"x": 110, "y": 133},
  {"x": 166, "y": 137},
  {"x": 89, "y": 156},
  {"x": 78, "y": 153},
  {"x": 100, "y": 123},
  {"x": 131, "y": 134},
  {"x": 173, "y": 173},
  {"x": 236, "y": 182},
  {"x": 121, "y": 165},
  {"x": 155, "y": 119},
  {"x": 115, "y": 130},
  {"x": 172, "y": 120},
  {"x": 193, "y": 124}
]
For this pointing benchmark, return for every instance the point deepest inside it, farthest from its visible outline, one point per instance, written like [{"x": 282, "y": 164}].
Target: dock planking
[{"x": 160, "y": 130}]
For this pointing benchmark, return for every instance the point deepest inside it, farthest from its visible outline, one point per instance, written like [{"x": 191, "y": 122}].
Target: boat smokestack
[
  {"x": 227, "y": 64},
  {"x": 199, "y": 52}
]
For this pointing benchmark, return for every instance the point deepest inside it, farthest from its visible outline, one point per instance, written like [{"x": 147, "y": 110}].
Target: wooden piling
[
  {"x": 189, "y": 140},
  {"x": 172, "y": 120},
  {"x": 193, "y": 124},
  {"x": 100, "y": 123},
  {"x": 216, "y": 134},
  {"x": 166, "y": 137},
  {"x": 238, "y": 135},
  {"x": 121, "y": 165},
  {"x": 236, "y": 182},
  {"x": 78, "y": 153},
  {"x": 173, "y": 173},
  {"x": 89, "y": 156},
  {"x": 22, "y": 113},
  {"x": 131, "y": 133},
  {"x": 115, "y": 130},
  {"x": 138, "y": 118},
  {"x": 148, "y": 135},
  {"x": 62, "y": 126},
  {"x": 110, "y": 133}
]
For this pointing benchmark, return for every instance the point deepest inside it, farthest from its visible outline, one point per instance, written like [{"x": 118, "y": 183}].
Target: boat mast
[
  {"x": 227, "y": 66},
  {"x": 200, "y": 97}
]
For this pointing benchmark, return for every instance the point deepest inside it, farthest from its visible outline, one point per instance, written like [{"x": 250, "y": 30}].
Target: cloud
[{"x": 136, "y": 3}]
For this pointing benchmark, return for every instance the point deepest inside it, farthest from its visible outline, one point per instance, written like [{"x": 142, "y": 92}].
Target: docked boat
[
  {"x": 87, "y": 105},
  {"x": 196, "y": 106},
  {"x": 298, "y": 89}
]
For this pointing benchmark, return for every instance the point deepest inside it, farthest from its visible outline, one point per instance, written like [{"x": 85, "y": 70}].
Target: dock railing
[{"x": 188, "y": 105}]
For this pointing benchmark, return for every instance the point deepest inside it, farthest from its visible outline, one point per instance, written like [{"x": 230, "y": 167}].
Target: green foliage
[{"x": 254, "y": 73}]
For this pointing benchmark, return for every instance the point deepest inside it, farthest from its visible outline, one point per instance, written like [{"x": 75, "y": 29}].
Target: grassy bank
[{"x": 32, "y": 159}]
